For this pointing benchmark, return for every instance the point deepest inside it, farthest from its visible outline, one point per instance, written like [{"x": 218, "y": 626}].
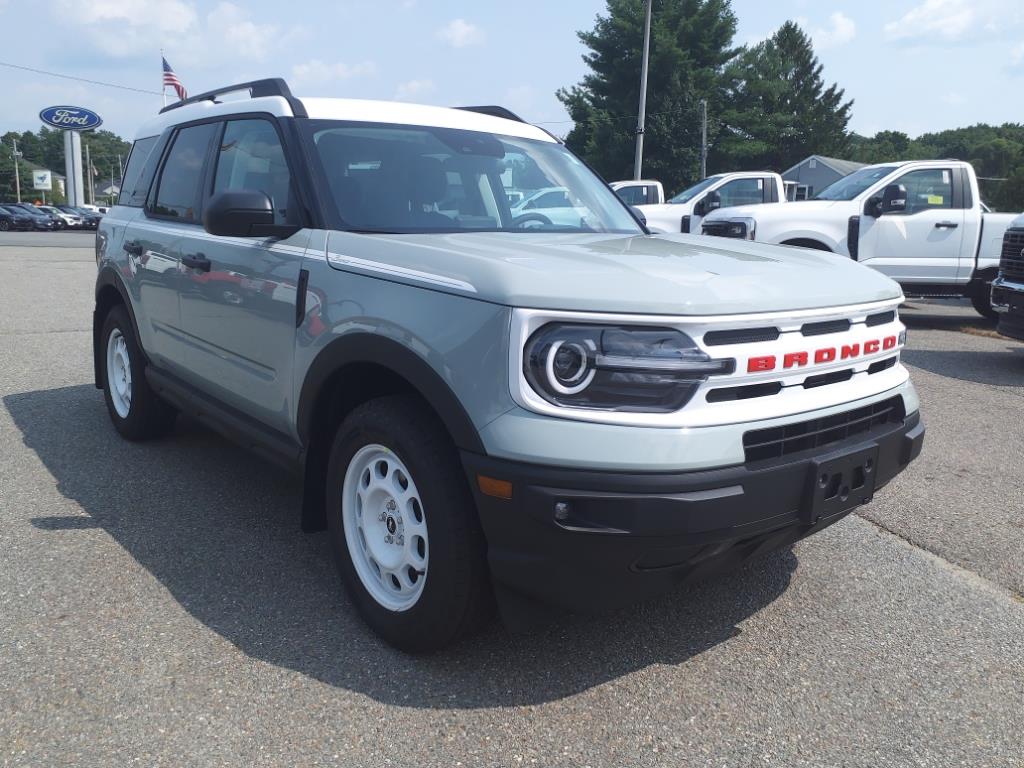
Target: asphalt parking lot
[{"x": 159, "y": 606}]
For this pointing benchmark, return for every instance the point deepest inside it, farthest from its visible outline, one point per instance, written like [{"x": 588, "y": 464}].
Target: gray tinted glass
[{"x": 178, "y": 194}]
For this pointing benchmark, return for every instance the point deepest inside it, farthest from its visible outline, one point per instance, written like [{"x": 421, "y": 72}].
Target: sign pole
[{"x": 17, "y": 177}]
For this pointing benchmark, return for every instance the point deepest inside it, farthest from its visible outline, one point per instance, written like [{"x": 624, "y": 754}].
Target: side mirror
[
  {"x": 894, "y": 199},
  {"x": 639, "y": 214},
  {"x": 243, "y": 213}
]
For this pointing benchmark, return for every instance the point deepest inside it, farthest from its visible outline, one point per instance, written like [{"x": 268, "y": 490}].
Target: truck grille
[
  {"x": 775, "y": 442},
  {"x": 1012, "y": 261}
]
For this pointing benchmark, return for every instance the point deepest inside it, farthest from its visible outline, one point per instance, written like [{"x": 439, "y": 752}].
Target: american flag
[{"x": 172, "y": 80}]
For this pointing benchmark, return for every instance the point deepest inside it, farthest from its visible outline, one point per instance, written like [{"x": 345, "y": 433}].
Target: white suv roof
[{"x": 357, "y": 110}]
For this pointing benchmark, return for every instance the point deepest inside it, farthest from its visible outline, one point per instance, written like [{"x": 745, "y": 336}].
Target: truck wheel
[
  {"x": 981, "y": 296},
  {"x": 137, "y": 411},
  {"x": 404, "y": 528}
]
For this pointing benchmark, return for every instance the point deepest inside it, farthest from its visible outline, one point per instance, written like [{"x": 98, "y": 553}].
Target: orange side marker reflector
[{"x": 499, "y": 489}]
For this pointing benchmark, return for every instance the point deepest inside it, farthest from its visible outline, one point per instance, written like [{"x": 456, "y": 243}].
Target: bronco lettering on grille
[{"x": 821, "y": 356}]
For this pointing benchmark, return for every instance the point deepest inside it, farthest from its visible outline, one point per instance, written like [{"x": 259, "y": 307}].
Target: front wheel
[
  {"x": 981, "y": 297},
  {"x": 136, "y": 410},
  {"x": 404, "y": 528}
]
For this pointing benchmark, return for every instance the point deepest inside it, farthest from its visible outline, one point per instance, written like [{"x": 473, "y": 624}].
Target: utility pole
[
  {"x": 91, "y": 193},
  {"x": 703, "y": 138},
  {"x": 638, "y": 160},
  {"x": 17, "y": 175}
]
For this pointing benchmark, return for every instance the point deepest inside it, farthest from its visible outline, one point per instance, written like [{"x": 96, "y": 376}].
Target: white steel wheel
[
  {"x": 119, "y": 373},
  {"x": 385, "y": 527}
]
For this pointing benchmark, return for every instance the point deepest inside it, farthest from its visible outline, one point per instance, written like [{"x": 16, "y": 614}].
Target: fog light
[{"x": 562, "y": 511}]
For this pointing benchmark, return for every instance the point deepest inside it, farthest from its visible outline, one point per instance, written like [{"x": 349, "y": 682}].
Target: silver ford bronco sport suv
[{"x": 487, "y": 407}]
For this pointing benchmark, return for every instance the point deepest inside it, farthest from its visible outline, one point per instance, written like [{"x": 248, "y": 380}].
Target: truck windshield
[
  {"x": 850, "y": 186},
  {"x": 688, "y": 194},
  {"x": 400, "y": 179}
]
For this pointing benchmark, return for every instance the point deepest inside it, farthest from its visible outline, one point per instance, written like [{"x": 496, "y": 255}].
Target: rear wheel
[
  {"x": 136, "y": 410},
  {"x": 4, "y": 225},
  {"x": 404, "y": 528}
]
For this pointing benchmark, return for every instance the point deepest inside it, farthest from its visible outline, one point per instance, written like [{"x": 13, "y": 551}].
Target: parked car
[
  {"x": 551, "y": 208},
  {"x": 685, "y": 212},
  {"x": 41, "y": 220},
  {"x": 919, "y": 222},
  {"x": 1008, "y": 288},
  {"x": 639, "y": 192},
  {"x": 69, "y": 220},
  {"x": 14, "y": 218},
  {"x": 483, "y": 411},
  {"x": 90, "y": 219}
]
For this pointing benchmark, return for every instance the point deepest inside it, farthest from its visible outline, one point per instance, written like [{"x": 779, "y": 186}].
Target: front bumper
[
  {"x": 620, "y": 538},
  {"x": 1008, "y": 301}
]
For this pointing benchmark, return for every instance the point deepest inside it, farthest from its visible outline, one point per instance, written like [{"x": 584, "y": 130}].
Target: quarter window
[
  {"x": 133, "y": 188},
  {"x": 178, "y": 195},
  {"x": 928, "y": 189},
  {"x": 250, "y": 157}
]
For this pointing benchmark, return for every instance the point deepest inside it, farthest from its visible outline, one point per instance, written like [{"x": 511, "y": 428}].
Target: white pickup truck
[
  {"x": 685, "y": 211},
  {"x": 922, "y": 223}
]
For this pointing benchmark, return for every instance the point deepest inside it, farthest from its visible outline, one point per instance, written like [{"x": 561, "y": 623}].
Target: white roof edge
[{"x": 357, "y": 110}]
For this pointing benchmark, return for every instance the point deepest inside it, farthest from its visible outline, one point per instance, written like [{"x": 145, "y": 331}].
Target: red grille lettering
[
  {"x": 870, "y": 347},
  {"x": 794, "y": 359},
  {"x": 756, "y": 364},
  {"x": 849, "y": 350},
  {"x": 889, "y": 342},
  {"x": 826, "y": 355}
]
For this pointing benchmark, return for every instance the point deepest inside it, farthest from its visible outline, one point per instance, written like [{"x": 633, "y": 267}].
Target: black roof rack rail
[
  {"x": 495, "y": 111},
  {"x": 271, "y": 86}
]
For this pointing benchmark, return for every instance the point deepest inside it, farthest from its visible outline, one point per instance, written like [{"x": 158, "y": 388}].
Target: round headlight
[{"x": 570, "y": 366}]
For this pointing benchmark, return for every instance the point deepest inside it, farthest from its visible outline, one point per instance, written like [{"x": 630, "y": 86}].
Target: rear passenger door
[{"x": 239, "y": 294}]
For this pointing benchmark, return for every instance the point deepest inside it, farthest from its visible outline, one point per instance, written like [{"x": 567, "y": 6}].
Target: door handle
[
  {"x": 133, "y": 248},
  {"x": 946, "y": 225},
  {"x": 196, "y": 261}
]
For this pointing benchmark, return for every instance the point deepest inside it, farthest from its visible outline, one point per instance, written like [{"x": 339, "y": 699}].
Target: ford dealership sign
[{"x": 71, "y": 118}]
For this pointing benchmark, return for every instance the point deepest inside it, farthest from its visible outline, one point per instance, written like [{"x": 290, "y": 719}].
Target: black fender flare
[
  {"x": 355, "y": 348},
  {"x": 108, "y": 277}
]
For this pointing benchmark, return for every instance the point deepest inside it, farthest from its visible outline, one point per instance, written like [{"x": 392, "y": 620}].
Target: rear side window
[
  {"x": 135, "y": 184},
  {"x": 742, "y": 192},
  {"x": 633, "y": 195},
  {"x": 250, "y": 157},
  {"x": 179, "y": 191}
]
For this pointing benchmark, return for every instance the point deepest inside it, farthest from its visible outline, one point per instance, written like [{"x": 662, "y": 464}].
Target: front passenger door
[{"x": 238, "y": 299}]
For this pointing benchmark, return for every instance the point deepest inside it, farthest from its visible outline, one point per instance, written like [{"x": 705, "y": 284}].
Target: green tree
[
  {"x": 691, "y": 44},
  {"x": 780, "y": 110}
]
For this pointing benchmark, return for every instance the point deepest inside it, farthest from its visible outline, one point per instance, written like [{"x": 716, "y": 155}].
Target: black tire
[
  {"x": 981, "y": 297},
  {"x": 148, "y": 416},
  {"x": 456, "y": 598},
  {"x": 4, "y": 225}
]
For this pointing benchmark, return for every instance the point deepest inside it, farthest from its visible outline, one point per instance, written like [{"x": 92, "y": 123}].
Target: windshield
[
  {"x": 688, "y": 194},
  {"x": 850, "y": 186},
  {"x": 411, "y": 179}
]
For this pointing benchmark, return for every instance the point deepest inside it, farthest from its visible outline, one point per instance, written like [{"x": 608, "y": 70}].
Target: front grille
[
  {"x": 776, "y": 442},
  {"x": 1012, "y": 261},
  {"x": 735, "y": 230},
  {"x": 880, "y": 319},
  {"x": 740, "y": 336},
  {"x": 821, "y": 329}
]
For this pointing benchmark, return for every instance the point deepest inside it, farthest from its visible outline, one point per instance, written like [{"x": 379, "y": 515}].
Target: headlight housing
[{"x": 639, "y": 369}]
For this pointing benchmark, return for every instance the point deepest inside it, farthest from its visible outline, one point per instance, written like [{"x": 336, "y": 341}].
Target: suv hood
[{"x": 655, "y": 274}]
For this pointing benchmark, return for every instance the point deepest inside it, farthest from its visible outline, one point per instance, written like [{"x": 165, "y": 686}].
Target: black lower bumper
[
  {"x": 587, "y": 541},
  {"x": 1009, "y": 302}
]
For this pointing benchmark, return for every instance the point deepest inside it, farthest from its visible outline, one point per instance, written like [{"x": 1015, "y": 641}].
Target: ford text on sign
[{"x": 71, "y": 118}]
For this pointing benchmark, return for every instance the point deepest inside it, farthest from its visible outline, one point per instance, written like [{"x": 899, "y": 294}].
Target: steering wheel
[{"x": 531, "y": 221}]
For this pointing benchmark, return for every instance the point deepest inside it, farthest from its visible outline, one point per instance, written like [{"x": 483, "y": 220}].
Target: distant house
[{"x": 816, "y": 172}]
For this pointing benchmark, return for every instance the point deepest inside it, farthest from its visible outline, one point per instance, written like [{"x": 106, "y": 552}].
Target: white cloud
[
  {"x": 231, "y": 25},
  {"x": 1017, "y": 54},
  {"x": 414, "y": 89},
  {"x": 319, "y": 71},
  {"x": 460, "y": 33},
  {"x": 841, "y": 30},
  {"x": 953, "y": 21}
]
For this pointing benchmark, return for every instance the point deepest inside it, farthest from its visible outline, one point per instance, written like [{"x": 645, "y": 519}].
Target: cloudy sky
[{"x": 910, "y": 65}]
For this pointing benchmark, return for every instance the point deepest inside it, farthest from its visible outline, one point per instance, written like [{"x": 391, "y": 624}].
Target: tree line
[
  {"x": 768, "y": 105},
  {"x": 45, "y": 149}
]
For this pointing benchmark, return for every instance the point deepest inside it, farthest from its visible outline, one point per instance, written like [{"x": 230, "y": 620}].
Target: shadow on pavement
[
  {"x": 219, "y": 529},
  {"x": 1001, "y": 369}
]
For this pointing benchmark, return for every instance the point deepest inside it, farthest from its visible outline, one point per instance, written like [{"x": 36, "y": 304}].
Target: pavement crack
[{"x": 960, "y": 570}]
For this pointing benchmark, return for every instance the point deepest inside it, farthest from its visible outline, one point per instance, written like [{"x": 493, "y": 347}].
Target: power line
[{"x": 79, "y": 79}]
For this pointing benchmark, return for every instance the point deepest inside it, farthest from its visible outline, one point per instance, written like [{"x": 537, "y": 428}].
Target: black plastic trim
[
  {"x": 271, "y": 86},
  {"x": 372, "y": 348}
]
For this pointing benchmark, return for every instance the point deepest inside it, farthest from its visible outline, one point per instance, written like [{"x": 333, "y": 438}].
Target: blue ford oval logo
[{"x": 71, "y": 118}]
